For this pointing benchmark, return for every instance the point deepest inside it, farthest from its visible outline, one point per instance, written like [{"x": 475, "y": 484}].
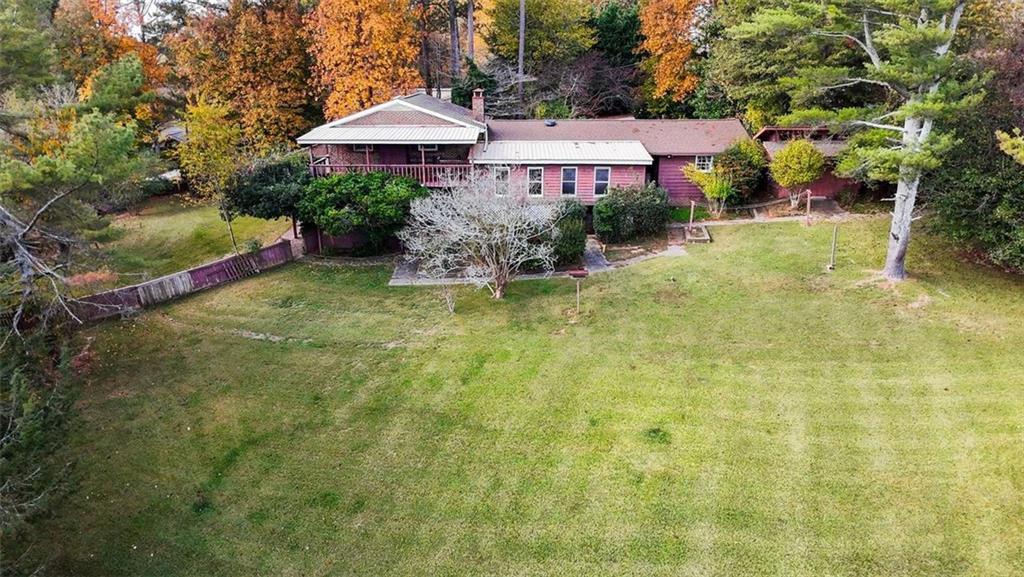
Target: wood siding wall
[
  {"x": 622, "y": 175},
  {"x": 670, "y": 176},
  {"x": 828, "y": 186}
]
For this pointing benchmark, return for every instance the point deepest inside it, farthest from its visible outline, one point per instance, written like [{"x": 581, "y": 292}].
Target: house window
[
  {"x": 500, "y": 175},
  {"x": 428, "y": 148},
  {"x": 362, "y": 148},
  {"x": 602, "y": 177},
  {"x": 568, "y": 181},
  {"x": 704, "y": 163},
  {"x": 535, "y": 180}
]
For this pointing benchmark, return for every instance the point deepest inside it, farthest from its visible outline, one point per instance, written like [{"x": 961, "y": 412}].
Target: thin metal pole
[
  {"x": 578, "y": 296},
  {"x": 835, "y": 238}
]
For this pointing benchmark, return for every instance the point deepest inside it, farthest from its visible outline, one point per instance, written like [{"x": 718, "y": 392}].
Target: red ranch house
[{"x": 428, "y": 139}]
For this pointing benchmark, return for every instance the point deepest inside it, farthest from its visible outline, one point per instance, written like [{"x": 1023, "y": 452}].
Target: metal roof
[
  {"x": 561, "y": 152},
  {"x": 349, "y": 134}
]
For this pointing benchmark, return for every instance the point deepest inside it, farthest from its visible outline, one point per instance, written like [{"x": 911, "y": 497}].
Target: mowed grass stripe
[{"x": 736, "y": 411}]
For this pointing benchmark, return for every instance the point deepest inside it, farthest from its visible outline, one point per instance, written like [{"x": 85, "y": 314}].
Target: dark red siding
[{"x": 670, "y": 177}]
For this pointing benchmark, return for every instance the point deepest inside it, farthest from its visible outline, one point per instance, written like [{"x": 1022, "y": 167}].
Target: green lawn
[
  {"x": 167, "y": 235},
  {"x": 733, "y": 412}
]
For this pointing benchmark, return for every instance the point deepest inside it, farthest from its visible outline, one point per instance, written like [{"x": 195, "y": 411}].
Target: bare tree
[
  {"x": 506, "y": 100},
  {"x": 591, "y": 86},
  {"x": 483, "y": 227}
]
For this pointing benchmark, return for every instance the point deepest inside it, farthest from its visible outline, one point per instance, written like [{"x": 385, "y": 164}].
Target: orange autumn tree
[
  {"x": 90, "y": 35},
  {"x": 269, "y": 74},
  {"x": 667, "y": 27},
  {"x": 254, "y": 59},
  {"x": 365, "y": 52}
]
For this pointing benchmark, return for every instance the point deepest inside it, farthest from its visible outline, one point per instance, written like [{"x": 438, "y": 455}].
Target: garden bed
[{"x": 640, "y": 247}]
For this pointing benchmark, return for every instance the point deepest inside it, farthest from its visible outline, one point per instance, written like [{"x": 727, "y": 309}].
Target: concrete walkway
[{"x": 593, "y": 256}]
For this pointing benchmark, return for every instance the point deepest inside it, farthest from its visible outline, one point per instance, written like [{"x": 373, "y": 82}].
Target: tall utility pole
[
  {"x": 470, "y": 32},
  {"x": 522, "y": 45},
  {"x": 453, "y": 32}
]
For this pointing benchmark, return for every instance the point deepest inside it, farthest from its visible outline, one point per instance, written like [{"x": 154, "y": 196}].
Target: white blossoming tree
[{"x": 481, "y": 228}]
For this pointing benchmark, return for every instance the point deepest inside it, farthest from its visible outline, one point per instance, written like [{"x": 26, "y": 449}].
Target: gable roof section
[
  {"x": 521, "y": 152},
  {"x": 438, "y": 106},
  {"x": 659, "y": 137},
  {"x": 416, "y": 119},
  {"x": 396, "y": 117}
]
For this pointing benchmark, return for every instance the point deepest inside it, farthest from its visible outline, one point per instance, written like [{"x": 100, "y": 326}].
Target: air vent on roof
[{"x": 550, "y": 122}]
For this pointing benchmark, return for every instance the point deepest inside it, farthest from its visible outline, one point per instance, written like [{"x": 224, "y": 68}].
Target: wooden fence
[{"x": 135, "y": 297}]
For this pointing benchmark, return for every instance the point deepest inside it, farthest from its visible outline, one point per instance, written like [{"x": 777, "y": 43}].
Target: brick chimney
[{"x": 478, "y": 104}]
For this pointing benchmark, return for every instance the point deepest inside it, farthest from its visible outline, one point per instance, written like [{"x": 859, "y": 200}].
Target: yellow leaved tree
[{"x": 364, "y": 52}]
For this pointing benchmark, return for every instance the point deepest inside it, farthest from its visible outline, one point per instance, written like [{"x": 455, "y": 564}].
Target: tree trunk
[
  {"x": 899, "y": 230},
  {"x": 906, "y": 194},
  {"x": 453, "y": 33},
  {"x": 522, "y": 48},
  {"x": 425, "y": 49},
  {"x": 231, "y": 231},
  {"x": 470, "y": 32}
]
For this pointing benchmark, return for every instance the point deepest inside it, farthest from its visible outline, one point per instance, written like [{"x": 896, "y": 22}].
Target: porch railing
[{"x": 426, "y": 174}]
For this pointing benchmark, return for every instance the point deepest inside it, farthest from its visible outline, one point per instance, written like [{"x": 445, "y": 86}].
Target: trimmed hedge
[{"x": 631, "y": 212}]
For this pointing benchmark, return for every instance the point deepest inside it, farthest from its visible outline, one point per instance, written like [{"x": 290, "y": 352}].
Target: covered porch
[{"x": 429, "y": 164}]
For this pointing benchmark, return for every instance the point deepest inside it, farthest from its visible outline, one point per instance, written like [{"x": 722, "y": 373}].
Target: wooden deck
[{"x": 425, "y": 174}]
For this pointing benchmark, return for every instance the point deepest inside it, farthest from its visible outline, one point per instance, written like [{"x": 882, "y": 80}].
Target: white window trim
[
  {"x": 711, "y": 162},
  {"x": 575, "y": 181},
  {"x": 528, "y": 182},
  {"x": 428, "y": 147},
  {"x": 494, "y": 176},
  {"x": 362, "y": 148},
  {"x": 608, "y": 183}
]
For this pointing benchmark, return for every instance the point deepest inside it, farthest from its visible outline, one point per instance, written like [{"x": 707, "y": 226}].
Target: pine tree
[{"x": 895, "y": 61}]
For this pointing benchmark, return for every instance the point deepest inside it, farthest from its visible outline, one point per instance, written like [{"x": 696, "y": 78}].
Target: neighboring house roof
[
  {"x": 560, "y": 152},
  {"x": 172, "y": 131},
  {"x": 829, "y": 148},
  {"x": 414, "y": 119},
  {"x": 659, "y": 137},
  {"x": 780, "y": 132}
]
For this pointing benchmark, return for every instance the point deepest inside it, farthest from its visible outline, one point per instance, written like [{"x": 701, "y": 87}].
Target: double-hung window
[
  {"x": 500, "y": 175},
  {"x": 535, "y": 181},
  {"x": 602, "y": 178},
  {"x": 569, "y": 174},
  {"x": 704, "y": 163}
]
